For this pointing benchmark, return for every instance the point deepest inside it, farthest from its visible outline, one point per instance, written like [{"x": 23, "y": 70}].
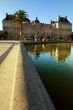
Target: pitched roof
[
  {"x": 12, "y": 17},
  {"x": 37, "y": 21},
  {"x": 63, "y": 20},
  {"x": 52, "y": 22},
  {"x": 9, "y": 17}
]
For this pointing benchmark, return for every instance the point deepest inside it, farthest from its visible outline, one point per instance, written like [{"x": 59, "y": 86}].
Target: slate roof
[
  {"x": 12, "y": 17},
  {"x": 37, "y": 21},
  {"x": 63, "y": 20},
  {"x": 9, "y": 17},
  {"x": 52, "y": 22}
]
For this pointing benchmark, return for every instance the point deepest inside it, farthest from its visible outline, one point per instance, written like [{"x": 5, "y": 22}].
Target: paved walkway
[
  {"x": 7, "y": 77},
  {"x": 20, "y": 84},
  {"x": 4, "y": 47},
  {"x": 29, "y": 92}
]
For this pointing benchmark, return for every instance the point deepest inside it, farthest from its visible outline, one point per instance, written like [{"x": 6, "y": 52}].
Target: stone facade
[{"x": 59, "y": 29}]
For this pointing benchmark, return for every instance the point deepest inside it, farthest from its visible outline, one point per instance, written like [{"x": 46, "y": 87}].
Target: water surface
[{"x": 54, "y": 63}]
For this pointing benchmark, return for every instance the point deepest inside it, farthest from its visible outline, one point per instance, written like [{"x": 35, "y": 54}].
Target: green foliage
[
  {"x": 3, "y": 35},
  {"x": 21, "y": 16}
]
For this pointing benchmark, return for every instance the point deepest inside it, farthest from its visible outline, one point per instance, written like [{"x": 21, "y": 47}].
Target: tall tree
[{"x": 20, "y": 17}]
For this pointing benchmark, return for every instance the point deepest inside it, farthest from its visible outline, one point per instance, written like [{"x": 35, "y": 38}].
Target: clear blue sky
[{"x": 45, "y": 10}]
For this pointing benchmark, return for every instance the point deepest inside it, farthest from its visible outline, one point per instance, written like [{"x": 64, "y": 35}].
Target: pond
[{"x": 54, "y": 63}]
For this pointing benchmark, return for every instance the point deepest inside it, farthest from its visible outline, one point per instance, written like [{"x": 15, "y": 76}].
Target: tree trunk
[{"x": 20, "y": 31}]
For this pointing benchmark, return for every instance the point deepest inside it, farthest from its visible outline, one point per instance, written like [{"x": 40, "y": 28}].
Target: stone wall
[{"x": 41, "y": 30}]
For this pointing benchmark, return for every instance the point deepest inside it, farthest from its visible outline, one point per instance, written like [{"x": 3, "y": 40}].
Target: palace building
[{"x": 59, "y": 29}]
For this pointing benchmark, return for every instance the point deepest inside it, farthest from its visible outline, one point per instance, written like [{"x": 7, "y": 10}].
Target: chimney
[
  {"x": 66, "y": 17},
  {"x": 6, "y": 14},
  {"x": 58, "y": 18}
]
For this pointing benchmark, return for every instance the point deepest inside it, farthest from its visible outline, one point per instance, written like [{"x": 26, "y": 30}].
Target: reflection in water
[
  {"x": 60, "y": 51},
  {"x": 54, "y": 63}
]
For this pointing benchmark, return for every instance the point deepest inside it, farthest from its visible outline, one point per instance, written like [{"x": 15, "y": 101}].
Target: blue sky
[{"x": 45, "y": 10}]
